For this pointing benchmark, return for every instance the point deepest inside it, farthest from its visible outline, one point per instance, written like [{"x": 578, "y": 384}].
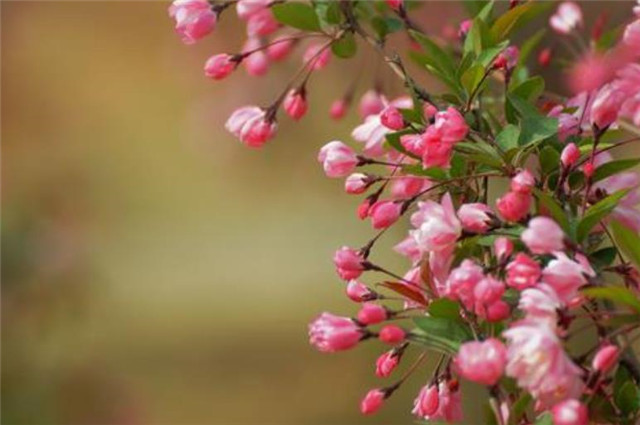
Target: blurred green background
[{"x": 154, "y": 269}]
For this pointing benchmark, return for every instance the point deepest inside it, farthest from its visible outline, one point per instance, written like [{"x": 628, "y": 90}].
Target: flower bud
[
  {"x": 427, "y": 402},
  {"x": 384, "y": 214},
  {"x": 317, "y": 56},
  {"x": 329, "y": 333},
  {"x": 482, "y": 362},
  {"x": 567, "y": 17},
  {"x": 588, "y": 168},
  {"x": 392, "y": 334},
  {"x": 359, "y": 292},
  {"x": 295, "y": 104},
  {"x": 280, "y": 47},
  {"x": 262, "y": 23},
  {"x": 356, "y": 183},
  {"x": 363, "y": 209},
  {"x": 371, "y": 103},
  {"x": 475, "y": 217},
  {"x": 514, "y": 206},
  {"x": 372, "y": 401},
  {"x": 371, "y": 314},
  {"x": 394, "y": 4},
  {"x": 544, "y": 57},
  {"x": 523, "y": 272},
  {"x": 465, "y": 27},
  {"x": 194, "y": 19},
  {"x": 219, "y": 66},
  {"x": 543, "y": 236},
  {"x": 338, "y": 159},
  {"x": 392, "y": 118},
  {"x": 605, "y": 358},
  {"x": 338, "y": 109},
  {"x": 497, "y": 311},
  {"x": 348, "y": 263},
  {"x": 523, "y": 182},
  {"x": 386, "y": 363},
  {"x": 570, "y": 412},
  {"x": 502, "y": 248},
  {"x": 570, "y": 154}
]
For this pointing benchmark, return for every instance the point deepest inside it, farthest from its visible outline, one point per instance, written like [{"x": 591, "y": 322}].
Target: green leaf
[
  {"x": 603, "y": 257},
  {"x": 627, "y": 240},
  {"x": 627, "y": 397},
  {"x": 477, "y": 38},
  {"x": 437, "y": 57},
  {"x": 530, "y": 89},
  {"x": 345, "y": 47},
  {"x": 520, "y": 407},
  {"x": 516, "y": 18},
  {"x": 536, "y": 129},
  {"x": 486, "y": 57},
  {"x": 549, "y": 160},
  {"x": 471, "y": 78},
  {"x": 507, "y": 139},
  {"x": 445, "y": 309},
  {"x": 544, "y": 419},
  {"x": 328, "y": 11},
  {"x": 434, "y": 173},
  {"x": 556, "y": 211},
  {"x": 597, "y": 212},
  {"x": 297, "y": 15},
  {"x": 613, "y": 167},
  {"x": 617, "y": 294},
  {"x": 529, "y": 46},
  {"x": 449, "y": 333}
]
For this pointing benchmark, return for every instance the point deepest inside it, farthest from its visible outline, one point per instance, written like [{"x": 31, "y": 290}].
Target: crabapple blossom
[
  {"x": 437, "y": 226},
  {"x": 384, "y": 214},
  {"x": 514, "y": 206},
  {"x": 280, "y": 47},
  {"x": 568, "y": 16},
  {"x": 448, "y": 407},
  {"x": 482, "y": 362},
  {"x": 427, "y": 402},
  {"x": 247, "y": 8},
  {"x": 543, "y": 236},
  {"x": 194, "y": 19},
  {"x": 371, "y": 103},
  {"x": 605, "y": 358},
  {"x": 450, "y": 126},
  {"x": 394, "y": 4},
  {"x": 317, "y": 56},
  {"x": 387, "y": 363},
  {"x": 372, "y": 133},
  {"x": 358, "y": 292},
  {"x": 462, "y": 281},
  {"x": 475, "y": 217},
  {"x": 219, "y": 66},
  {"x": 523, "y": 272},
  {"x": 540, "y": 302},
  {"x": 406, "y": 187},
  {"x": 391, "y": 334},
  {"x": 502, "y": 248},
  {"x": 523, "y": 182},
  {"x": 570, "y": 412},
  {"x": 372, "y": 402},
  {"x": 487, "y": 292},
  {"x": 348, "y": 263},
  {"x": 565, "y": 276},
  {"x": 570, "y": 154},
  {"x": 251, "y": 126},
  {"x": 606, "y": 105},
  {"x": 261, "y": 23},
  {"x": 338, "y": 109},
  {"x": 391, "y": 118},
  {"x": 371, "y": 313},
  {"x": 331, "y": 333},
  {"x": 295, "y": 104},
  {"x": 356, "y": 183},
  {"x": 256, "y": 62},
  {"x": 338, "y": 159}
]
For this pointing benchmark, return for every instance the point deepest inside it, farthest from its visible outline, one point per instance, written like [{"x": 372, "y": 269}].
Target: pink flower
[
  {"x": 540, "y": 302},
  {"x": 371, "y": 103},
  {"x": 391, "y": 118},
  {"x": 219, "y": 66},
  {"x": 487, "y": 292},
  {"x": 317, "y": 56},
  {"x": 543, "y": 236},
  {"x": 567, "y": 18},
  {"x": 194, "y": 19},
  {"x": 437, "y": 227},
  {"x": 427, "y": 402},
  {"x": 451, "y": 125},
  {"x": 497, "y": 311},
  {"x": 384, "y": 214},
  {"x": 435, "y": 152},
  {"x": 570, "y": 412},
  {"x": 605, "y": 358},
  {"x": 391, "y": 334},
  {"x": 523, "y": 272},
  {"x": 482, "y": 362},
  {"x": 359, "y": 292},
  {"x": 280, "y": 47},
  {"x": 295, "y": 104},
  {"x": 386, "y": 363},
  {"x": 565, "y": 276},
  {"x": 372, "y": 402},
  {"x": 631, "y": 35},
  {"x": 523, "y": 182},
  {"x": 372, "y": 133},
  {"x": 250, "y": 126},
  {"x": 394, "y": 4},
  {"x": 606, "y": 105},
  {"x": 475, "y": 217},
  {"x": 545, "y": 56},
  {"x": 536, "y": 360},
  {"x": 257, "y": 62},
  {"x": 329, "y": 333},
  {"x": 465, "y": 27},
  {"x": 338, "y": 109},
  {"x": 626, "y": 211},
  {"x": 348, "y": 263},
  {"x": 462, "y": 281},
  {"x": 248, "y": 8},
  {"x": 338, "y": 159},
  {"x": 570, "y": 154},
  {"x": 371, "y": 314},
  {"x": 406, "y": 187},
  {"x": 448, "y": 407},
  {"x": 629, "y": 82},
  {"x": 356, "y": 183},
  {"x": 514, "y": 206},
  {"x": 408, "y": 248},
  {"x": 502, "y": 248},
  {"x": 261, "y": 23},
  {"x": 507, "y": 59}
]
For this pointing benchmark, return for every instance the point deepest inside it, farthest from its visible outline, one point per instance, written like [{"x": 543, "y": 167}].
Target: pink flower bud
[
  {"x": 295, "y": 104},
  {"x": 406, "y": 187},
  {"x": 465, "y": 27},
  {"x": 261, "y": 24},
  {"x": 391, "y": 334},
  {"x": 502, "y": 248},
  {"x": 475, "y": 217},
  {"x": 567, "y": 18},
  {"x": 486, "y": 292},
  {"x": 394, "y": 4},
  {"x": 386, "y": 363},
  {"x": 570, "y": 154},
  {"x": 194, "y": 19},
  {"x": 359, "y": 292},
  {"x": 497, "y": 311},
  {"x": 372, "y": 401},
  {"x": 544, "y": 57},
  {"x": 588, "y": 168},
  {"x": 543, "y": 236},
  {"x": 317, "y": 56},
  {"x": 606, "y": 105},
  {"x": 338, "y": 109},
  {"x": 514, "y": 206},
  {"x": 632, "y": 34},
  {"x": 384, "y": 214},
  {"x": 348, "y": 263},
  {"x": 329, "y": 333},
  {"x": 570, "y": 412},
  {"x": 482, "y": 362},
  {"x": 507, "y": 59},
  {"x": 250, "y": 126},
  {"x": 248, "y": 8},
  {"x": 523, "y": 182},
  {"x": 523, "y": 272},
  {"x": 280, "y": 47},
  {"x": 219, "y": 66},
  {"x": 363, "y": 209},
  {"x": 605, "y": 358},
  {"x": 429, "y": 111},
  {"x": 427, "y": 402},
  {"x": 257, "y": 62},
  {"x": 371, "y": 314},
  {"x": 356, "y": 183},
  {"x": 338, "y": 159},
  {"x": 450, "y": 125},
  {"x": 371, "y": 103},
  {"x": 392, "y": 118}
]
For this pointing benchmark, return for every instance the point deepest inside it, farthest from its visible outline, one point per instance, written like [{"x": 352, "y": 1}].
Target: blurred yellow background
[{"x": 156, "y": 271}]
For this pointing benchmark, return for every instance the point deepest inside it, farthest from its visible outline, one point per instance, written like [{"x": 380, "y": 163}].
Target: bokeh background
[{"x": 154, "y": 269}]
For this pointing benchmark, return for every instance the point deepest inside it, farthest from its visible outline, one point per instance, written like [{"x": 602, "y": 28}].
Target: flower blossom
[
  {"x": 448, "y": 406},
  {"x": 568, "y": 16},
  {"x": 329, "y": 333},
  {"x": 337, "y": 159},
  {"x": 543, "y": 236},
  {"x": 482, "y": 362},
  {"x": 251, "y": 126},
  {"x": 194, "y": 19},
  {"x": 437, "y": 227}
]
